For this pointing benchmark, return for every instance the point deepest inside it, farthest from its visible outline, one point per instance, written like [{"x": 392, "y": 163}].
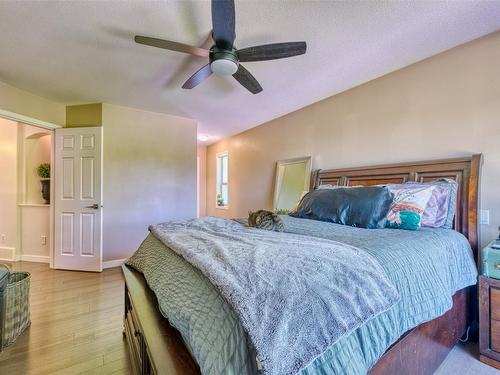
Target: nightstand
[{"x": 489, "y": 321}]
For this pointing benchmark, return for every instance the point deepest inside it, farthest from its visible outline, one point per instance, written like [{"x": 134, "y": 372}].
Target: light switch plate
[{"x": 484, "y": 217}]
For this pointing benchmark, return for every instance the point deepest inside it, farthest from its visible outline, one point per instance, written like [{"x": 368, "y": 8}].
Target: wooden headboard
[{"x": 465, "y": 171}]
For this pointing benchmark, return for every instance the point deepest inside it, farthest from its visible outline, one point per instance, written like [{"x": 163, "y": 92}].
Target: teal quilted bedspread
[{"x": 427, "y": 266}]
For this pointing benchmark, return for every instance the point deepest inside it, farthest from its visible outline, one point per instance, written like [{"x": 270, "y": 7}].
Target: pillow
[
  {"x": 364, "y": 207},
  {"x": 440, "y": 209},
  {"x": 452, "y": 206},
  {"x": 328, "y": 186},
  {"x": 408, "y": 206}
]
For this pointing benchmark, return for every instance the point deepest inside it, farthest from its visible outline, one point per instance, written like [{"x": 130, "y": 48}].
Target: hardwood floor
[
  {"x": 76, "y": 324},
  {"x": 76, "y": 328}
]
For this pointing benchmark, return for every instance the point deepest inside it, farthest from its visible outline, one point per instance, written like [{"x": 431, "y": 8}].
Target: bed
[{"x": 416, "y": 350}]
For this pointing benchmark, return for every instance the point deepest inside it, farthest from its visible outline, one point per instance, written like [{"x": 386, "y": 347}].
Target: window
[{"x": 222, "y": 198}]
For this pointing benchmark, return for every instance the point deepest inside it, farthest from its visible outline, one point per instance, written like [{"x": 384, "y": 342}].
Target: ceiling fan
[{"x": 224, "y": 59}]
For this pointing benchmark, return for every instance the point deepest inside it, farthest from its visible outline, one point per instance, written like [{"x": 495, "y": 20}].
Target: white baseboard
[
  {"x": 35, "y": 258},
  {"x": 7, "y": 253},
  {"x": 113, "y": 263}
]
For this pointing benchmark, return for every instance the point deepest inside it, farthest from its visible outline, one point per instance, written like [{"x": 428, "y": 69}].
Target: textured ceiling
[{"x": 81, "y": 51}]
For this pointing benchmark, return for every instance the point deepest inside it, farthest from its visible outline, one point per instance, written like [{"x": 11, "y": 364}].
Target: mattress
[{"x": 427, "y": 267}]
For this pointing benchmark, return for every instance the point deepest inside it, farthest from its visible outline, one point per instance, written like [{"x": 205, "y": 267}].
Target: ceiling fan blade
[
  {"x": 172, "y": 46},
  {"x": 223, "y": 23},
  {"x": 247, "y": 80},
  {"x": 272, "y": 51},
  {"x": 198, "y": 77}
]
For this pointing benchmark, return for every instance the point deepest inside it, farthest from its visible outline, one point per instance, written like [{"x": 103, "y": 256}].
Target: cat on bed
[{"x": 267, "y": 220}]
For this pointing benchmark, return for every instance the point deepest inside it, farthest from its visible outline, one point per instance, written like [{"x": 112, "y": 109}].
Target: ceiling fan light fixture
[
  {"x": 203, "y": 137},
  {"x": 223, "y": 67},
  {"x": 223, "y": 58}
]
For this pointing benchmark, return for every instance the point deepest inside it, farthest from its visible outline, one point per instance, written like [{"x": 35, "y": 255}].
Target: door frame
[{"x": 19, "y": 118}]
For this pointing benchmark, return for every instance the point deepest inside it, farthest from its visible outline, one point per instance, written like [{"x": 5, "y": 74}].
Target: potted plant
[
  {"x": 220, "y": 200},
  {"x": 43, "y": 172}
]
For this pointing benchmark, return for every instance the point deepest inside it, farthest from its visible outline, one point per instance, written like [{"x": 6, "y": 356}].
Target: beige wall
[
  {"x": 35, "y": 223},
  {"x": 149, "y": 175},
  {"x": 8, "y": 187},
  {"x": 22, "y": 102},
  {"x": 19, "y": 158},
  {"x": 34, "y": 148},
  {"x": 445, "y": 106}
]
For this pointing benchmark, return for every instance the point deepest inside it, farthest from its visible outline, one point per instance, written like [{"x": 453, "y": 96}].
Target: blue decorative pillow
[{"x": 364, "y": 207}]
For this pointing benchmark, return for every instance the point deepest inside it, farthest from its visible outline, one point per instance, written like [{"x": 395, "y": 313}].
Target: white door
[{"x": 78, "y": 199}]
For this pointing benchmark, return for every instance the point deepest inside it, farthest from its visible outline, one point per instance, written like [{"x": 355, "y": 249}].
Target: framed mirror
[{"x": 292, "y": 181}]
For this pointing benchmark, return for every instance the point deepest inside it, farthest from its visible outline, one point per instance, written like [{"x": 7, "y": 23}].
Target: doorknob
[{"x": 95, "y": 206}]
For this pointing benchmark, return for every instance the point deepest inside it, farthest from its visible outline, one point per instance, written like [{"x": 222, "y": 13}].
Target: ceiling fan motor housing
[{"x": 223, "y": 62}]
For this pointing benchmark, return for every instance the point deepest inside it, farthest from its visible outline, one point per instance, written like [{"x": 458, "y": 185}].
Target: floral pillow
[
  {"x": 408, "y": 206},
  {"x": 440, "y": 210}
]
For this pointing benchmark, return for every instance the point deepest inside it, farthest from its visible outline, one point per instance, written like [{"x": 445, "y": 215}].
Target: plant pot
[{"x": 45, "y": 189}]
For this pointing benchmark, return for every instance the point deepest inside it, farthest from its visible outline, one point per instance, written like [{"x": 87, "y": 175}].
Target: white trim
[
  {"x": 34, "y": 205},
  {"x": 217, "y": 156},
  {"x": 197, "y": 185},
  {"x": 28, "y": 120},
  {"x": 7, "y": 253},
  {"x": 35, "y": 258},
  {"x": 53, "y": 173},
  {"x": 113, "y": 263}
]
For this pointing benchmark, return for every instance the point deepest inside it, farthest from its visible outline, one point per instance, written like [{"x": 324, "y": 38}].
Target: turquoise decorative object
[
  {"x": 407, "y": 220},
  {"x": 490, "y": 260}
]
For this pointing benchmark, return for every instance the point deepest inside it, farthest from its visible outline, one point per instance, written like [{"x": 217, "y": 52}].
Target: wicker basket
[{"x": 16, "y": 308}]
